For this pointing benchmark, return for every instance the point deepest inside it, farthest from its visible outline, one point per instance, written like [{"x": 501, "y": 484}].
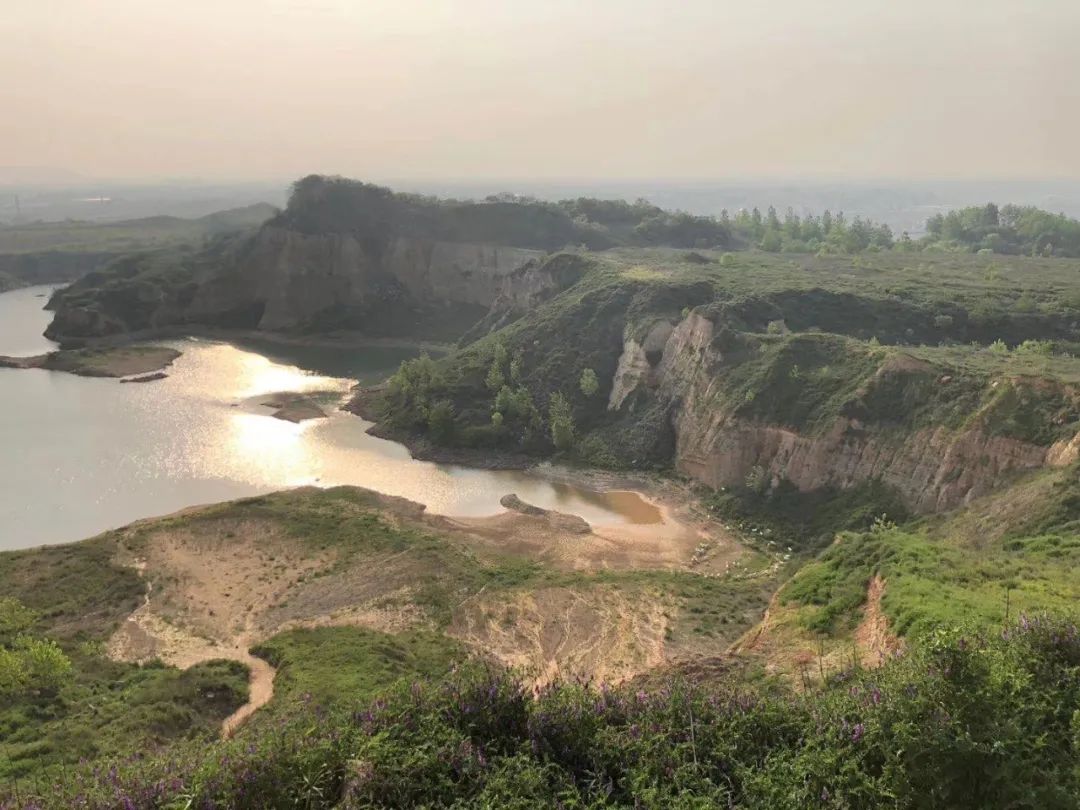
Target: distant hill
[
  {"x": 130, "y": 234},
  {"x": 59, "y": 252}
]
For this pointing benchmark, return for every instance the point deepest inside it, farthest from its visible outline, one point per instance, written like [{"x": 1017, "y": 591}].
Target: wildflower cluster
[{"x": 961, "y": 719}]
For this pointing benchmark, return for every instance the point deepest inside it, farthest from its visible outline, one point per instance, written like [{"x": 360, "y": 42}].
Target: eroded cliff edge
[
  {"x": 346, "y": 255},
  {"x": 753, "y": 376}
]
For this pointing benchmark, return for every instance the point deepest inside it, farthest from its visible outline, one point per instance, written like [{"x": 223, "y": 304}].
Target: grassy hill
[
  {"x": 873, "y": 604},
  {"x": 58, "y": 252}
]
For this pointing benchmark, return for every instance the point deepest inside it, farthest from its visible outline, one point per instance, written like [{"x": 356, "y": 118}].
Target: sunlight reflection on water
[{"x": 82, "y": 455}]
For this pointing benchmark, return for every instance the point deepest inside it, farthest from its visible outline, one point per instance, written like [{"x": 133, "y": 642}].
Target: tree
[
  {"x": 771, "y": 241},
  {"x": 15, "y": 619},
  {"x": 561, "y": 422},
  {"x": 495, "y": 380},
  {"x": 45, "y": 666},
  {"x": 755, "y": 222},
  {"x": 517, "y": 366},
  {"x": 589, "y": 383},
  {"x": 441, "y": 421},
  {"x": 27, "y": 663}
]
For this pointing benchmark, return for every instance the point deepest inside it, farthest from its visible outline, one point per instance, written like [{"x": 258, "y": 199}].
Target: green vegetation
[
  {"x": 805, "y": 520},
  {"x": 823, "y": 333},
  {"x": 351, "y": 665},
  {"x": 128, "y": 236},
  {"x": 132, "y": 292},
  {"x": 71, "y": 702},
  {"x": 964, "y": 719},
  {"x": 1013, "y": 552},
  {"x": 1012, "y": 229},
  {"x": 59, "y": 252},
  {"x": 810, "y": 234},
  {"x": 893, "y": 345},
  {"x": 29, "y": 665},
  {"x": 320, "y": 204}
]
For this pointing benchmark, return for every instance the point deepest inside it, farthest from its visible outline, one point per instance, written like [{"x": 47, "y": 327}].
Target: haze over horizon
[{"x": 606, "y": 90}]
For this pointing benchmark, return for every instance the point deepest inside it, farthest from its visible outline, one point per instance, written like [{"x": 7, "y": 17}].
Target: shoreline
[
  {"x": 329, "y": 340},
  {"x": 673, "y": 499},
  {"x": 137, "y": 363}
]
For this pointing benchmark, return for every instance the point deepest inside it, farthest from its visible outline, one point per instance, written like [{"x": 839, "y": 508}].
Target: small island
[
  {"x": 293, "y": 407},
  {"x": 124, "y": 361}
]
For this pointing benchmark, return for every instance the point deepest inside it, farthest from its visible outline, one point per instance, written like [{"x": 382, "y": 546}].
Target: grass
[
  {"x": 107, "y": 708},
  {"x": 718, "y": 608},
  {"x": 334, "y": 666},
  {"x": 125, "y": 236},
  {"x": 78, "y": 590},
  {"x": 114, "y": 710},
  {"x": 964, "y": 719},
  {"x": 798, "y": 343},
  {"x": 931, "y": 584}
]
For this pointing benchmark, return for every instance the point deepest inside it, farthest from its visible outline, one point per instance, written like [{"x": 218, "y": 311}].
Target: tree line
[{"x": 375, "y": 214}]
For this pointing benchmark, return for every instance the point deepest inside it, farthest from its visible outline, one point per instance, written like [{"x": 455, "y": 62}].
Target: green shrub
[
  {"x": 962, "y": 719},
  {"x": 561, "y": 421},
  {"x": 589, "y": 384}
]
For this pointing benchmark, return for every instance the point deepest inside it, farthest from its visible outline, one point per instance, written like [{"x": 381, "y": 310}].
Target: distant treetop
[{"x": 376, "y": 214}]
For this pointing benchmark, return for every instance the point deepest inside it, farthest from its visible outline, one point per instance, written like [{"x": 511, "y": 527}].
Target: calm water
[{"x": 81, "y": 455}]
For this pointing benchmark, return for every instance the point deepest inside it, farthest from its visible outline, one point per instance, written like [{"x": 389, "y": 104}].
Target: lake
[{"x": 81, "y": 455}]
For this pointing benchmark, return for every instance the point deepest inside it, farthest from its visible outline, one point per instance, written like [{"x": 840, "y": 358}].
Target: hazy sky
[{"x": 587, "y": 89}]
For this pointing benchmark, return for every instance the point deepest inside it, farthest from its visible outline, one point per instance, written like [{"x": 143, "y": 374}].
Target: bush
[
  {"x": 441, "y": 421},
  {"x": 962, "y": 719},
  {"x": 561, "y": 422},
  {"x": 589, "y": 384}
]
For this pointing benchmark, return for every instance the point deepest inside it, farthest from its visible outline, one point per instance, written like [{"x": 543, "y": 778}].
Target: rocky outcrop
[
  {"x": 527, "y": 287},
  {"x": 932, "y": 468},
  {"x": 636, "y": 363},
  {"x": 295, "y": 277},
  {"x": 146, "y": 378},
  {"x": 287, "y": 280},
  {"x": 557, "y": 521}
]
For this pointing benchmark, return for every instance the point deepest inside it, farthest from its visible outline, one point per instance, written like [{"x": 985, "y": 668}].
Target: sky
[{"x": 542, "y": 89}]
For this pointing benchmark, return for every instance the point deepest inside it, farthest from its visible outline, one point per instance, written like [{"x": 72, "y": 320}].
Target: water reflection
[{"x": 79, "y": 455}]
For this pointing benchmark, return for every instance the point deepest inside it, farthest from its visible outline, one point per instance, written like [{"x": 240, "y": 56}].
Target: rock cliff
[
  {"x": 287, "y": 280},
  {"x": 933, "y": 467},
  {"x": 292, "y": 280}
]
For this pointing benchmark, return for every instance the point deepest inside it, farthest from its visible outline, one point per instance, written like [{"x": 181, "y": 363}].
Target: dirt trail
[
  {"x": 146, "y": 635},
  {"x": 260, "y": 690},
  {"x": 872, "y": 636},
  {"x": 220, "y": 582}
]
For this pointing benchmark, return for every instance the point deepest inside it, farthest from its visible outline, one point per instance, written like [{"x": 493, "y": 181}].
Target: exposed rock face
[
  {"x": 527, "y": 287},
  {"x": 283, "y": 279},
  {"x": 933, "y": 468},
  {"x": 295, "y": 277},
  {"x": 636, "y": 363}
]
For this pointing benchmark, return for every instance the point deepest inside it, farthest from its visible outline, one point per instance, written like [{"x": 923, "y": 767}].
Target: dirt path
[
  {"x": 872, "y": 636},
  {"x": 260, "y": 690},
  {"x": 220, "y": 581}
]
